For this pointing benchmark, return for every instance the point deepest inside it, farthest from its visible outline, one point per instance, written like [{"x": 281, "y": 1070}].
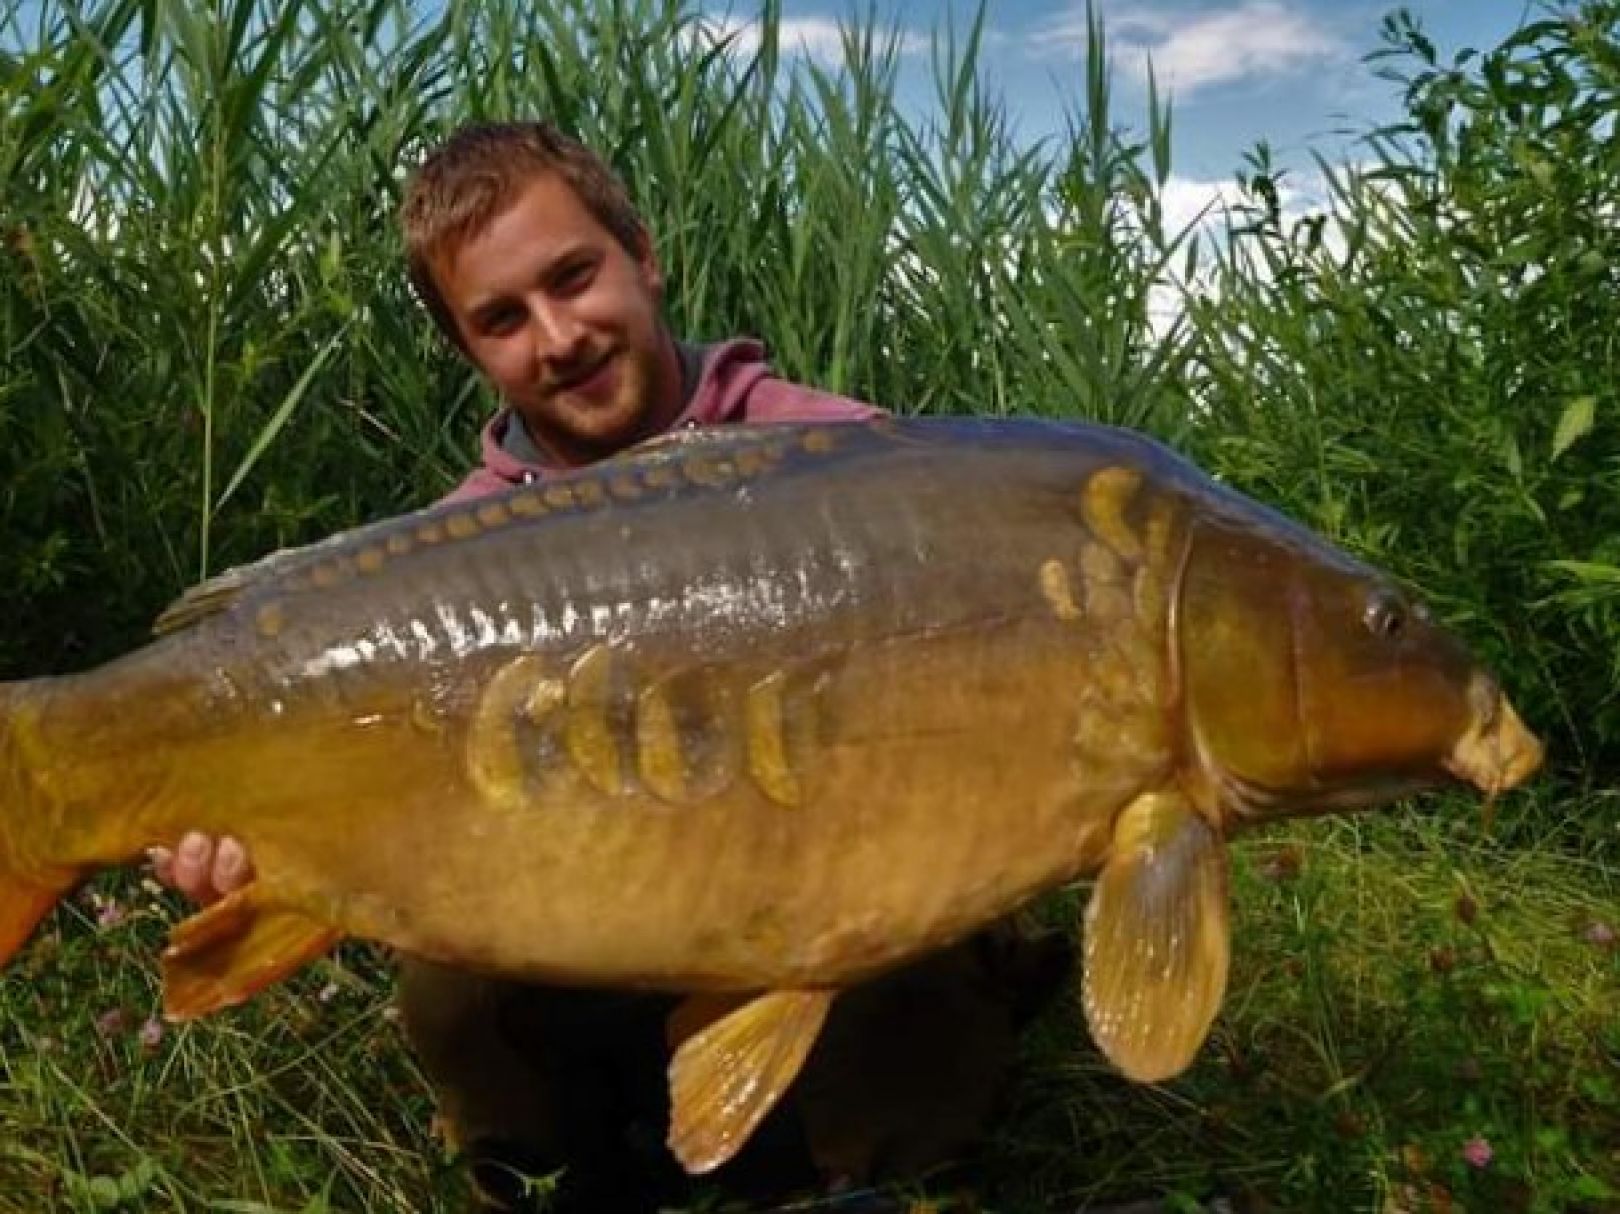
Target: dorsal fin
[
  {"x": 197, "y": 602},
  {"x": 220, "y": 592},
  {"x": 217, "y": 593}
]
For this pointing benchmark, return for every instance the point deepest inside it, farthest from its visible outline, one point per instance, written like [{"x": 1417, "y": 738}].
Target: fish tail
[{"x": 28, "y": 890}]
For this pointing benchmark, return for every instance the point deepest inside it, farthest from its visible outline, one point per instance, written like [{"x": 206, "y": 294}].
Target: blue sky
[{"x": 1288, "y": 71}]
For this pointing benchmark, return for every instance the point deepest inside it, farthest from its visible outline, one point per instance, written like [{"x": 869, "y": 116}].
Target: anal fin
[
  {"x": 235, "y": 949},
  {"x": 1157, "y": 944},
  {"x": 729, "y": 1073}
]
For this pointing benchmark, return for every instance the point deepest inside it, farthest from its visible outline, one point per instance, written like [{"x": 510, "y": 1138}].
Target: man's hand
[{"x": 203, "y": 868}]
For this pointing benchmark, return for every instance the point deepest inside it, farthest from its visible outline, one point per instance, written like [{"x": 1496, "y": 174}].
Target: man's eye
[
  {"x": 502, "y": 321},
  {"x": 575, "y": 276}
]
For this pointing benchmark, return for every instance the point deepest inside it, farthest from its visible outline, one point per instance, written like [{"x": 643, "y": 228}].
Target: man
[{"x": 533, "y": 263}]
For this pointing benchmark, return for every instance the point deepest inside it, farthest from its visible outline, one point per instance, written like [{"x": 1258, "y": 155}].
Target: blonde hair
[{"x": 480, "y": 171}]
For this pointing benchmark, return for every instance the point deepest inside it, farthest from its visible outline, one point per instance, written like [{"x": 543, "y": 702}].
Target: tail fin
[
  {"x": 22, "y": 905},
  {"x": 26, "y": 897}
]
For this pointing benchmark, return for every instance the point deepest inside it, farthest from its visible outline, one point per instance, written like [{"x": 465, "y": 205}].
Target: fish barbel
[{"x": 758, "y": 712}]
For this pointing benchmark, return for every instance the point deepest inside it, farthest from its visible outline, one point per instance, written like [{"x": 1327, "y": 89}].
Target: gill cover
[{"x": 1311, "y": 680}]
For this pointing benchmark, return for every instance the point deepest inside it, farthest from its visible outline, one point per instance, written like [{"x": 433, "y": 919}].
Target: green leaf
[
  {"x": 1515, "y": 460},
  {"x": 283, "y": 411},
  {"x": 138, "y": 1181},
  {"x": 1588, "y": 571},
  {"x": 1590, "y": 1188},
  {"x": 1526, "y": 249},
  {"x": 104, "y": 1192},
  {"x": 1574, "y": 424},
  {"x": 320, "y": 1203}
]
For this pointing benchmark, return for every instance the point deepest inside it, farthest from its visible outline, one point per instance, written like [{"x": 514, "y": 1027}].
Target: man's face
[{"x": 565, "y": 323}]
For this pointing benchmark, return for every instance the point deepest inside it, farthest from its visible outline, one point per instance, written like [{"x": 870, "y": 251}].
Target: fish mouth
[{"x": 1498, "y": 752}]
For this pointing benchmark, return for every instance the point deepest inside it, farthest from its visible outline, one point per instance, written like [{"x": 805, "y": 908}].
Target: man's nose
[{"x": 558, "y": 333}]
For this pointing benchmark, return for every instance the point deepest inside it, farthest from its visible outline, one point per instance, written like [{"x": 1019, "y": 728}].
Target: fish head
[{"x": 1313, "y": 682}]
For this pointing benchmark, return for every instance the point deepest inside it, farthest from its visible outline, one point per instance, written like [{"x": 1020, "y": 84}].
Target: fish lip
[{"x": 1497, "y": 752}]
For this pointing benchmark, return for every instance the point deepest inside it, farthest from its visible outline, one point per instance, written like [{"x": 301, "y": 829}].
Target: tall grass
[
  {"x": 207, "y": 350},
  {"x": 1426, "y": 370},
  {"x": 199, "y": 210}
]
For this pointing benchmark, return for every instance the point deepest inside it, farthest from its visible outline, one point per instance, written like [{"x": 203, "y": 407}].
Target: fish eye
[{"x": 1385, "y": 616}]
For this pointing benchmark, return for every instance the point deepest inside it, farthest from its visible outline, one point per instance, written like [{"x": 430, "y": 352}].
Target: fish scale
[{"x": 758, "y": 713}]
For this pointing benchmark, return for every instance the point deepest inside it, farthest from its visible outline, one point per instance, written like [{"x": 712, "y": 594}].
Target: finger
[
  {"x": 162, "y": 861},
  {"x": 193, "y": 867},
  {"x": 231, "y": 868}
]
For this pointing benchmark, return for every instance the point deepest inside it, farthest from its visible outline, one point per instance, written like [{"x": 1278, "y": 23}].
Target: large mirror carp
[{"x": 756, "y": 714}]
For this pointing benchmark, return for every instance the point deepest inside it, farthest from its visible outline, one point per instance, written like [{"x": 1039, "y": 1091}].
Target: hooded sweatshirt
[{"x": 727, "y": 383}]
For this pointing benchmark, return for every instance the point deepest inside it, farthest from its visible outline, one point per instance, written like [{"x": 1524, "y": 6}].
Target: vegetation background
[{"x": 207, "y": 350}]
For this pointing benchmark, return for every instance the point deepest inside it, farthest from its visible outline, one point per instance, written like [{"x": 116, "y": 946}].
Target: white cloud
[
  {"x": 1192, "y": 51},
  {"x": 1185, "y": 201},
  {"x": 1206, "y": 205}
]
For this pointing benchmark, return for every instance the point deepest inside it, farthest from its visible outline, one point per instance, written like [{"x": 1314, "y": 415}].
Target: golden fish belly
[{"x": 903, "y": 793}]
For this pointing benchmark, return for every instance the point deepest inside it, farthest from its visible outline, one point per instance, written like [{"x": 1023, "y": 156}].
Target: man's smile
[{"x": 596, "y": 378}]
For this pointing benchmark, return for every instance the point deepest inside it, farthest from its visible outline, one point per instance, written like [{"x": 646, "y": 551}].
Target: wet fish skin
[
  {"x": 765, "y": 710},
  {"x": 321, "y": 688}
]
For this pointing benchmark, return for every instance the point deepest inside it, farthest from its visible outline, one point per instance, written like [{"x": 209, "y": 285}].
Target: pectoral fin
[
  {"x": 1157, "y": 939},
  {"x": 233, "y": 950},
  {"x": 729, "y": 1073}
]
